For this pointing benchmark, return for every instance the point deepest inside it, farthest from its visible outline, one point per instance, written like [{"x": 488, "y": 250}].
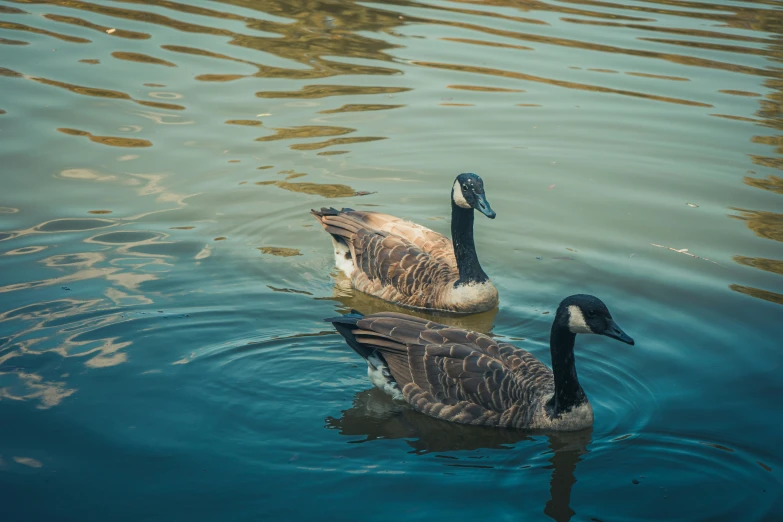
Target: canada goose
[
  {"x": 469, "y": 378},
  {"x": 411, "y": 265}
]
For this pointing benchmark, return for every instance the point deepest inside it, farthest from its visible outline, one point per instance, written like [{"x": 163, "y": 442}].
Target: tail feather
[
  {"x": 345, "y": 326},
  {"x": 341, "y": 228},
  {"x": 331, "y": 211}
]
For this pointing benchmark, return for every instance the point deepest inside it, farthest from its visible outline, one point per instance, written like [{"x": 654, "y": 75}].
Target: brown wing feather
[
  {"x": 398, "y": 261},
  {"x": 458, "y": 375},
  {"x": 435, "y": 244},
  {"x": 391, "y": 261}
]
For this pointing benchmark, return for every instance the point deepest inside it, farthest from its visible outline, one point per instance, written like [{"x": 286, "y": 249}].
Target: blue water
[{"x": 162, "y": 283}]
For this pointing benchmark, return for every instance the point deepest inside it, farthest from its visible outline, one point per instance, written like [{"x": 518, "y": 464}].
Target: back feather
[{"x": 452, "y": 373}]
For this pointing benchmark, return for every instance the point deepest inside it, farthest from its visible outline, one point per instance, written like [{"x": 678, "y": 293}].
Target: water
[{"x": 162, "y": 355}]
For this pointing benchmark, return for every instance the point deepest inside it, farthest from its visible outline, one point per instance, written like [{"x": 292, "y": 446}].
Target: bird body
[
  {"x": 409, "y": 264},
  {"x": 469, "y": 378}
]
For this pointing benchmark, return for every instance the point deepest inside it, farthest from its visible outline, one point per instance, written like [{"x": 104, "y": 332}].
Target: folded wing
[
  {"x": 455, "y": 374},
  {"x": 395, "y": 260}
]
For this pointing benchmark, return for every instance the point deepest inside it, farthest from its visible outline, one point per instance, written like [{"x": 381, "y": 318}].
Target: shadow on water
[
  {"x": 549, "y": 93},
  {"x": 366, "y": 304},
  {"x": 375, "y": 416}
]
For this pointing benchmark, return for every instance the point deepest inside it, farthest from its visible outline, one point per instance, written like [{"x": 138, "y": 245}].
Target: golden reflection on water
[
  {"x": 311, "y": 58},
  {"x": 481, "y": 88},
  {"x": 335, "y": 141},
  {"x": 119, "y": 33},
  {"x": 658, "y": 76},
  {"x": 7, "y": 9},
  {"x": 127, "y": 260},
  {"x": 768, "y": 225},
  {"x": 125, "y": 276},
  {"x": 336, "y": 35},
  {"x": 772, "y": 183},
  {"x": 29, "y": 462},
  {"x": 141, "y": 58},
  {"x": 49, "y": 318},
  {"x": 319, "y": 40},
  {"x": 758, "y": 293},
  {"x": 326, "y": 190},
  {"x": 361, "y": 107},
  {"x": 101, "y": 93},
  {"x": 740, "y": 93},
  {"x": 21, "y": 27},
  {"x": 8, "y": 73},
  {"x": 770, "y": 265},
  {"x": 33, "y": 387},
  {"x": 280, "y": 251},
  {"x": 323, "y": 91},
  {"x": 250, "y": 123},
  {"x": 310, "y": 131},
  {"x": 112, "y": 141},
  {"x": 558, "y": 83}
]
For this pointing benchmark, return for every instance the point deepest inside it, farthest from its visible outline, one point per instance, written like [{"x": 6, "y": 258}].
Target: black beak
[
  {"x": 615, "y": 332},
  {"x": 482, "y": 205}
]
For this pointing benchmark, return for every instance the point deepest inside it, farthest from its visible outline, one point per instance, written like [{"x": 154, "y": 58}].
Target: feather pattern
[
  {"x": 404, "y": 263},
  {"x": 462, "y": 376}
]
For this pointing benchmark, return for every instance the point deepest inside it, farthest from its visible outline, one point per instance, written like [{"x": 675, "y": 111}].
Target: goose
[
  {"x": 410, "y": 265},
  {"x": 469, "y": 378}
]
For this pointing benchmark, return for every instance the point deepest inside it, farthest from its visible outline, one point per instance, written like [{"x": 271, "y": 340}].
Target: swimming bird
[
  {"x": 469, "y": 378},
  {"x": 411, "y": 265}
]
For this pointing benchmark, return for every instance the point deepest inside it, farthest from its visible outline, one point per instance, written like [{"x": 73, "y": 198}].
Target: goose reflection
[
  {"x": 374, "y": 415},
  {"x": 350, "y": 299}
]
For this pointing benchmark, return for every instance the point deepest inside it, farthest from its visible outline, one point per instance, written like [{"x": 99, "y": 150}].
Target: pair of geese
[{"x": 446, "y": 372}]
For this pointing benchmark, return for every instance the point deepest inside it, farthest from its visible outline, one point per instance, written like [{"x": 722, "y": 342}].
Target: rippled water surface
[{"x": 162, "y": 284}]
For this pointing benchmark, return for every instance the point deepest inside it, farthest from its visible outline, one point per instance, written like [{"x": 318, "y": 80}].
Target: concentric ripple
[{"x": 161, "y": 308}]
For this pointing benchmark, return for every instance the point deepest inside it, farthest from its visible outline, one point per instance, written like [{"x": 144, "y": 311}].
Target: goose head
[
  {"x": 586, "y": 314},
  {"x": 468, "y": 192}
]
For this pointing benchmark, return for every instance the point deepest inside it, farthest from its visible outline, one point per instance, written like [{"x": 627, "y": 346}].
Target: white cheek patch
[
  {"x": 458, "y": 198},
  {"x": 576, "y": 320}
]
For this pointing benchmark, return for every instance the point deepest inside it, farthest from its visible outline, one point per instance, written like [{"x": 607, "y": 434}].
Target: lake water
[{"x": 162, "y": 283}]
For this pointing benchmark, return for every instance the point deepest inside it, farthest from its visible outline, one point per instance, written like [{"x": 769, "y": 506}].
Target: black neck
[
  {"x": 568, "y": 393},
  {"x": 464, "y": 249}
]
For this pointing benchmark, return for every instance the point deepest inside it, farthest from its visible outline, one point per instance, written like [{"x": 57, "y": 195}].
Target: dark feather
[
  {"x": 453, "y": 374},
  {"x": 399, "y": 261}
]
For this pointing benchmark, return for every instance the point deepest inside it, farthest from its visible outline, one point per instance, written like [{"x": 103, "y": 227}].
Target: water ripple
[{"x": 163, "y": 306}]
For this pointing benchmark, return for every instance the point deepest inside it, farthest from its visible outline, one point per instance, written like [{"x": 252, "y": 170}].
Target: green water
[{"x": 162, "y": 283}]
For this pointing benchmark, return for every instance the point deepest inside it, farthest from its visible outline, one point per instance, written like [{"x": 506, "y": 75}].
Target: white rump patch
[
  {"x": 342, "y": 258},
  {"x": 458, "y": 197},
  {"x": 576, "y": 321},
  {"x": 380, "y": 376}
]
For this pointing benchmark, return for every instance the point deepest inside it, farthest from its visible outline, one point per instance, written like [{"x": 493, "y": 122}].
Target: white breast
[
  {"x": 578, "y": 418},
  {"x": 474, "y": 295}
]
